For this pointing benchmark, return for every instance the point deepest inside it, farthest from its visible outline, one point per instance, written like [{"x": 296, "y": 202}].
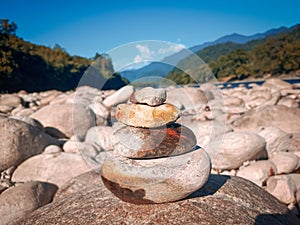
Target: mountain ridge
[{"x": 165, "y": 66}]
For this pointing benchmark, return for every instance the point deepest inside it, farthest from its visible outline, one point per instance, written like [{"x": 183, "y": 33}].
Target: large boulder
[
  {"x": 286, "y": 119},
  {"x": 233, "y": 148},
  {"x": 223, "y": 200},
  {"x": 18, "y": 201},
  {"x": 55, "y": 168},
  {"x": 19, "y": 141},
  {"x": 68, "y": 119}
]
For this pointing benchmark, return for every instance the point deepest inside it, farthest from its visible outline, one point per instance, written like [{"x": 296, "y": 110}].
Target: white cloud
[
  {"x": 171, "y": 49},
  {"x": 145, "y": 53}
]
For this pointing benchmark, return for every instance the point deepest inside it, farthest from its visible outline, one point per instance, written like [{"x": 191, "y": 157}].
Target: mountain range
[{"x": 166, "y": 65}]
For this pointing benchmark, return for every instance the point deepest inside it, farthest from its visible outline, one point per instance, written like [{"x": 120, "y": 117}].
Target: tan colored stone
[
  {"x": 283, "y": 188},
  {"x": 258, "y": 172},
  {"x": 138, "y": 115},
  {"x": 53, "y": 168}
]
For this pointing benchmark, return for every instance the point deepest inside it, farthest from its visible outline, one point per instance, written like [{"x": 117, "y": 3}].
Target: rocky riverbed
[{"x": 52, "y": 146}]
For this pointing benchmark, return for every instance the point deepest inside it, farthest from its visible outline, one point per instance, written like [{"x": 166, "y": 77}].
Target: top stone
[{"x": 149, "y": 96}]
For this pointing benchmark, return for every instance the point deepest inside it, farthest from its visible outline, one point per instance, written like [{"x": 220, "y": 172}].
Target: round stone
[
  {"x": 158, "y": 180},
  {"x": 134, "y": 142},
  {"x": 138, "y": 115},
  {"x": 149, "y": 96}
]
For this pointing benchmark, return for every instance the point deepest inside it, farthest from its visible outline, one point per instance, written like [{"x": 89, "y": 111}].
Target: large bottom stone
[
  {"x": 223, "y": 200},
  {"x": 156, "y": 180},
  {"x": 134, "y": 142}
]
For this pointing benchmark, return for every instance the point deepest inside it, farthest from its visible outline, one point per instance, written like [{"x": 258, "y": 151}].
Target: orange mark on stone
[{"x": 131, "y": 114}]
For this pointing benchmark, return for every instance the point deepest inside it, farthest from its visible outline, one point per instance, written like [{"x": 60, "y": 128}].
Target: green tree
[{"x": 8, "y": 28}]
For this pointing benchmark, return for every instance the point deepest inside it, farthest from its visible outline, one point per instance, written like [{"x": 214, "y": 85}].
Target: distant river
[{"x": 247, "y": 84}]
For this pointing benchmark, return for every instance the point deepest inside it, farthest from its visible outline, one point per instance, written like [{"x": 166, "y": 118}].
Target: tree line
[
  {"x": 279, "y": 54},
  {"x": 31, "y": 67}
]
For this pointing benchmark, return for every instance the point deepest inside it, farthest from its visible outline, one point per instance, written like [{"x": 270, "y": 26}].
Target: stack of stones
[{"x": 155, "y": 160}]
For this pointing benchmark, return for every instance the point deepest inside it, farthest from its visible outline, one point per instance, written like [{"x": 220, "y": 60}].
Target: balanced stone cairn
[{"x": 155, "y": 160}]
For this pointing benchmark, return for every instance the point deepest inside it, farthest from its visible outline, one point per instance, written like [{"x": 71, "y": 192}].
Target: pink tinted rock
[
  {"x": 258, "y": 172},
  {"x": 156, "y": 180},
  {"x": 282, "y": 187}
]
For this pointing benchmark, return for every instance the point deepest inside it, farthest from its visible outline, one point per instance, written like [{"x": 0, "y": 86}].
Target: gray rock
[
  {"x": 223, "y": 200},
  {"x": 233, "y": 148},
  {"x": 100, "y": 136},
  {"x": 276, "y": 139},
  {"x": 19, "y": 141},
  {"x": 149, "y": 96},
  {"x": 287, "y": 119},
  {"x": 53, "y": 168},
  {"x": 68, "y": 119},
  {"x": 17, "y": 202},
  {"x": 120, "y": 96}
]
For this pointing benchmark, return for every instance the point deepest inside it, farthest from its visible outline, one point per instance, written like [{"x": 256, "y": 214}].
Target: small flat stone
[
  {"x": 138, "y": 115},
  {"x": 159, "y": 180},
  {"x": 134, "y": 142},
  {"x": 149, "y": 96}
]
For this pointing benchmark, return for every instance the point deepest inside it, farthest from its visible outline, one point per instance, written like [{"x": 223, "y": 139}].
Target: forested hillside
[
  {"x": 31, "y": 67},
  {"x": 273, "y": 56}
]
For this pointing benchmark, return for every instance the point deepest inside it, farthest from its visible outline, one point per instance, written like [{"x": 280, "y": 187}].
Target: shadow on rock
[
  {"x": 214, "y": 183},
  {"x": 274, "y": 219}
]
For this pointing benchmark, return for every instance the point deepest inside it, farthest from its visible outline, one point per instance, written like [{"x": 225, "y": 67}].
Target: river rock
[
  {"x": 53, "y": 168},
  {"x": 17, "y": 202},
  {"x": 156, "y": 180},
  {"x": 133, "y": 142},
  {"x": 294, "y": 144},
  {"x": 234, "y": 148},
  {"x": 275, "y": 83},
  {"x": 149, "y": 96},
  {"x": 289, "y": 102},
  {"x": 19, "y": 141},
  {"x": 138, "y": 115},
  {"x": 120, "y": 96},
  {"x": 276, "y": 139},
  {"x": 282, "y": 187},
  {"x": 258, "y": 172},
  {"x": 285, "y": 162},
  {"x": 12, "y": 100},
  {"x": 287, "y": 119},
  {"x": 68, "y": 119},
  {"x": 223, "y": 200},
  {"x": 189, "y": 97},
  {"x": 100, "y": 136}
]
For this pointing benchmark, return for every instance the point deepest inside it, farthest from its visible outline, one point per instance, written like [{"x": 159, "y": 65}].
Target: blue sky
[{"x": 90, "y": 26}]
